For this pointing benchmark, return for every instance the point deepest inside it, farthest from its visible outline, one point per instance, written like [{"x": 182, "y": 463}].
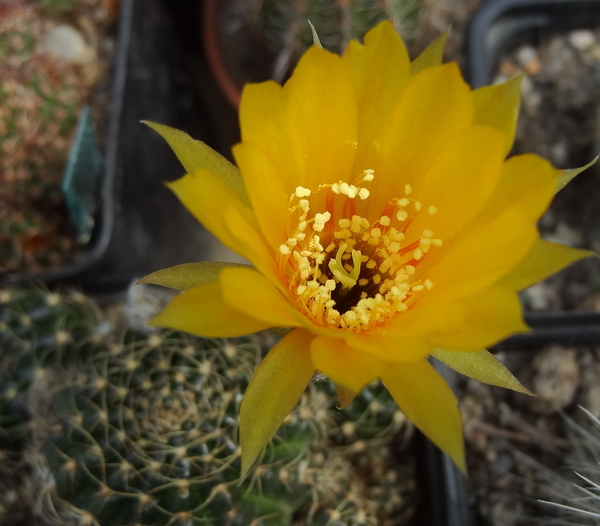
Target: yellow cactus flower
[{"x": 384, "y": 224}]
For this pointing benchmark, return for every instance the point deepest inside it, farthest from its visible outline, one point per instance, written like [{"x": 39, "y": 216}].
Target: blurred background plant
[
  {"x": 104, "y": 425},
  {"x": 54, "y": 57}
]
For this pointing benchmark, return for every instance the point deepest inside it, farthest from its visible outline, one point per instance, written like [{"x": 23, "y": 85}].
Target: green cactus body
[
  {"x": 128, "y": 429},
  {"x": 287, "y": 33}
]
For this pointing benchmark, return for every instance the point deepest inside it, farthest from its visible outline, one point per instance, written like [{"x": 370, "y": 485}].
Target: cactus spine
[{"x": 123, "y": 428}]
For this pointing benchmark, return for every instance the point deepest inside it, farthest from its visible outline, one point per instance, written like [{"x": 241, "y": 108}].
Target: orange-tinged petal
[
  {"x": 320, "y": 118},
  {"x": 381, "y": 66},
  {"x": 480, "y": 257},
  {"x": 498, "y": 106},
  {"x": 203, "y": 311},
  {"x": 459, "y": 183},
  {"x": 427, "y": 401},
  {"x": 527, "y": 181},
  {"x": 250, "y": 292},
  {"x": 422, "y": 124},
  {"x": 480, "y": 365},
  {"x": 387, "y": 345},
  {"x": 187, "y": 275},
  {"x": 276, "y": 386},
  {"x": 267, "y": 192},
  {"x": 544, "y": 258},
  {"x": 195, "y": 155},
  {"x": 348, "y": 367},
  {"x": 432, "y": 55},
  {"x": 488, "y": 317}
]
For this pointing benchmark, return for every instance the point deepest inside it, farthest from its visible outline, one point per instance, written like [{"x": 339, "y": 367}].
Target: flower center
[{"x": 345, "y": 271}]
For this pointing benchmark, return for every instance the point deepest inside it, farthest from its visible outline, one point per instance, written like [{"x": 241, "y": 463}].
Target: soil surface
[{"x": 519, "y": 447}]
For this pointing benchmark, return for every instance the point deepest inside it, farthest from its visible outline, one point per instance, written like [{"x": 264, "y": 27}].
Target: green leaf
[
  {"x": 567, "y": 175},
  {"x": 480, "y": 365},
  {"x": 431, "y": 56},
  {"x": 195, "y": 155},
  {"x": 187, "y": 275}
]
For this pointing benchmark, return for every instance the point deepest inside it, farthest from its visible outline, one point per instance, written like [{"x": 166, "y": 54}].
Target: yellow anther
[
  {"x": 428, "y": 284},
  {"x": 371, "y": 264},
  {"x": 418, "y": 254},
  {"x": 302, "y": 192},
  {"x": 385, "y": 221},
  {"x": 363, "y": 193},
  {"x": 427, "y": 233},
  {"x": 344, "y": 223},
  {"x": 363, "y": 282},
  {"x": 401, "y": 215},
  {"x": 376, "y": 279},
  {"x": 436, "y": 242},
  {"x": 407, "y": 189},
  {"x": 417, "y": 205},
  {"x": 369, "y": 175},
  {"x": 418, "y": 288},
  {"x": 376, "y": 232},
  {"x": 432, "y": 210},
  {"x": 347, "y": 278}
]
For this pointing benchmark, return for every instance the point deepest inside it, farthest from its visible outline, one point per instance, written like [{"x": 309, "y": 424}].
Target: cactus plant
[
  {"x": 124, "y": 428},
  {"x": 288, "y": 35}
]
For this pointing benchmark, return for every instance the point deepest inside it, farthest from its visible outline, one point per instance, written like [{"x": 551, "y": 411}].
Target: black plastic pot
[{"x": 141, "y": 226}]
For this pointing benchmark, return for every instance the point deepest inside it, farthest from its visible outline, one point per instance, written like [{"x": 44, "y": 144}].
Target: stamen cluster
[{"x": 346, "y": 271}]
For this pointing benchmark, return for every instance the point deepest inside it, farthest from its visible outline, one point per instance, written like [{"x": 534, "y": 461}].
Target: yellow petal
[
  {"x": 187, "y": 275},
  {"x": 250, "y": 292},
  {"x": 428, "y": 402},
  {"x": 202, "y": 311},
  {"x": 479, "y": 258},
  {"x": 422, "y": 124},
  {"x": 389, "y": 343},
  {"x": 432, "y": 55},
  {"x": 267, "y": 193},
  {"x": 276, "y": 386},
  {"x": 213, "y": 203},
  {"x": 379, "y": 67},
  {"x": 344, "y": 394},
  {"x": 544, "y": 259},
  {"x": 480, "y": 365},
  {"x": 195, "y": 155},
  {"x": 344, "y": 365},
  {"x": 488, "y": 317},
  {"x": 528, "y": 182},
  {"x": 463, "y": 177},
  {"x": 263, "y": 123},
  {"x": 567, "y": 175},
  {"x": 497, "y": 106},
  {"x": 321, "y": 119}
]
